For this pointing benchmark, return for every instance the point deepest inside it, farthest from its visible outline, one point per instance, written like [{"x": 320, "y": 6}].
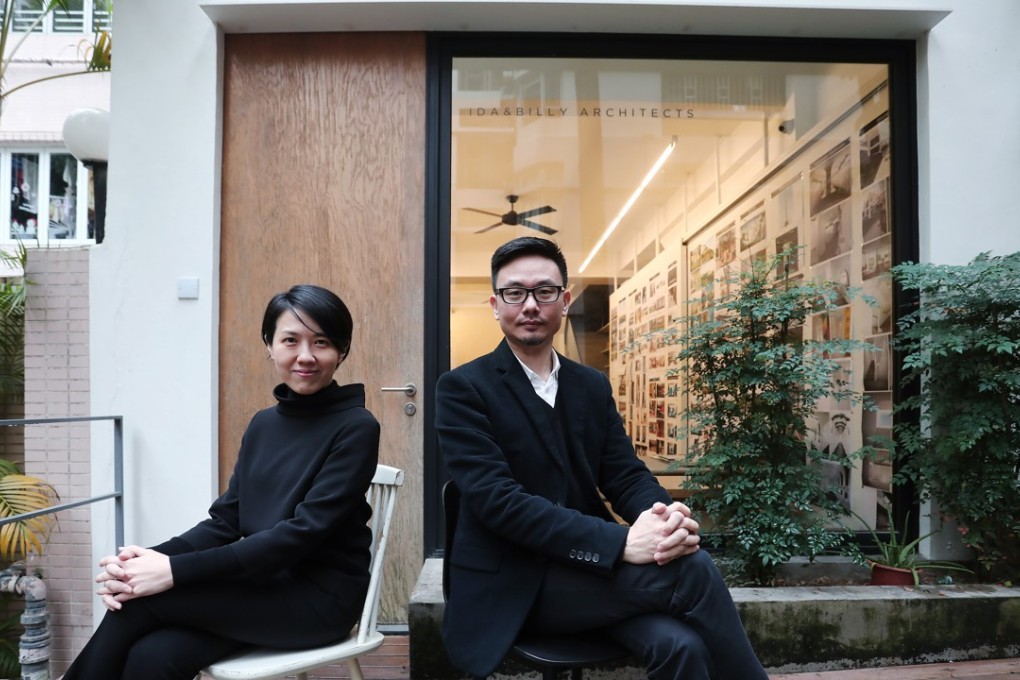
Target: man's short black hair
[{"x": 528, "y": 245}]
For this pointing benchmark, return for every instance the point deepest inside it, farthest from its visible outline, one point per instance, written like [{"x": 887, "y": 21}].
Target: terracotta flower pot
[{"x": 882, "y": 575}]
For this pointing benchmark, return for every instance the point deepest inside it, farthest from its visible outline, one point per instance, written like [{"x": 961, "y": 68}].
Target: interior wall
[
  {"x": 474, "y": 332},
  {"x": 787, "y": 212}
]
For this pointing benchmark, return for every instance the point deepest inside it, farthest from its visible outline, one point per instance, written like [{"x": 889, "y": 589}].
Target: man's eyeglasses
[{"x": 543, "y": 295}]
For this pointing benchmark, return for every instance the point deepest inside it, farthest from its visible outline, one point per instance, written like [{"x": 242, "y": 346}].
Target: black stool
[{"x": 549, "y": 654}]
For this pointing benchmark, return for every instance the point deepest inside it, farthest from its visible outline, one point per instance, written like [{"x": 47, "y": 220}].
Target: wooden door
[{"x": 323, "y": 165}]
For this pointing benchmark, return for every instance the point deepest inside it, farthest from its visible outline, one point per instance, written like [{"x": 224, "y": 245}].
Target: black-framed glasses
[{"x": 543, "y": 295}]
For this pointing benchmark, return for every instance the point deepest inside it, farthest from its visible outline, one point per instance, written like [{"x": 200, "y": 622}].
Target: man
[{"x": 531, "y": 440}]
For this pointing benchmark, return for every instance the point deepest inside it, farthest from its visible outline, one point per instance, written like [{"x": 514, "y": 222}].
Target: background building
[
  {"x": 256, "y": 145},
  {"x": 50, "y": 210}
]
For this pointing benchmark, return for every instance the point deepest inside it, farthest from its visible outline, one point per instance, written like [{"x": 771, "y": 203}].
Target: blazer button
[
  {"x": 572, "y": 553},
  {"x": 595, "y": 557},
  {"x": 587, "y": 557}
]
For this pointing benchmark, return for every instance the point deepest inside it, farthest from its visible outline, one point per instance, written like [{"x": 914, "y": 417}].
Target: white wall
[
  {"x": 970, "y": 141},
  {"x": 154, "y": 358},
  {"x": 37, "y": 113}
]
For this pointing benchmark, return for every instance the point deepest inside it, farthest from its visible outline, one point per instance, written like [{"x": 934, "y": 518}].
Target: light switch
[{"x": 187, "y": 288}]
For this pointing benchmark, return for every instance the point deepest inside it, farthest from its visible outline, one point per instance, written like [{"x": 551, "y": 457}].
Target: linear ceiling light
[{"x": 627, "y": 206}]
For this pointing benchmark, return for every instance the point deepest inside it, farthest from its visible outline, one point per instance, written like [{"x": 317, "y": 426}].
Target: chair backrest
[
  {"x": 451, "y": 506},
  {"x": 382, "y": 496}
]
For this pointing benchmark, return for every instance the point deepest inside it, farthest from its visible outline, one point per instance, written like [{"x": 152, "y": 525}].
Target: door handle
[{"x": 409, "y": 389}]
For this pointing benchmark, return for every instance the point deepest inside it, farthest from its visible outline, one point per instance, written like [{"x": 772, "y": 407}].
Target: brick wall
[{"x": 57, "y": 385}]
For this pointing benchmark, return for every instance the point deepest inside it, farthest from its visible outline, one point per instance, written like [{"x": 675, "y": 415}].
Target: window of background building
[
  {"x": 83, "y": 16},
  {"x": 47, "y": 206},
  {"x": 658, "y": 177}
]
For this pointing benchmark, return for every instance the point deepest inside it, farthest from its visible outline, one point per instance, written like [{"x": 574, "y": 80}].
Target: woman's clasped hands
[{"x": 132, "y": 572}]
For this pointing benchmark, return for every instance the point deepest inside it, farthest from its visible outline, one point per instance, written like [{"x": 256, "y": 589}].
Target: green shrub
[
  {"x": 753, "y": 382},
  {"x": 958, "y": 437}
]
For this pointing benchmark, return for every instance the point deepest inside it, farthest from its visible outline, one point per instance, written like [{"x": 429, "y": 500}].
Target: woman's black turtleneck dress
[{"x": 282, "y": 560}]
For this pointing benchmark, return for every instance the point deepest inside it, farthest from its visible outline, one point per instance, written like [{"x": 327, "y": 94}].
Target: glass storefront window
[{"x": 658, "y": 177}]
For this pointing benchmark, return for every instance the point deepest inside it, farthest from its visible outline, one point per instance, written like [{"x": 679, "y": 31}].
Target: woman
[{"x": 283, "y": 559}]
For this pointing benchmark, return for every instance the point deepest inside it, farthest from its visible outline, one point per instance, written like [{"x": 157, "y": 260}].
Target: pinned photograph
[
  {"x": 875, "y": 150},
  {"x": 830, "y": 178},
  {"x": 876, "y": 258},
  {"x": 878, "y": 366},
  {"x": 839, "y": 273},
  {"x": 879, "y": 290},
  {"x": 830, "y": 233},
  {"x": 789, "y": 241},
  {"x": 726, "y": 247},
  {"x": 752, "y": 231},
  {"x": 875, "y": 211}
]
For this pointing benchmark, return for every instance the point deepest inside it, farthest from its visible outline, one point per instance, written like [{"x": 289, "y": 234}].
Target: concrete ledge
[
  {"x": 797, "y": 629},
  {"x": 807, "y": 629}
]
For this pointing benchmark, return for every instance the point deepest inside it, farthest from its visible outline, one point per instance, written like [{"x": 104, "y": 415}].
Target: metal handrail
[{"x": 118, "y": 472}]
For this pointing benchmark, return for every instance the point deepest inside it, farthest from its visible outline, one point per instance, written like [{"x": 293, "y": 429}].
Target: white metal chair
[{"x": 264, "y": 664}]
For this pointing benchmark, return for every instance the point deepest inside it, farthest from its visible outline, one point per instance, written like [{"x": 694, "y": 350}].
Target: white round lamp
[
  {"x": 87, "y": 137},
  {"x": 87, "y": 134}
]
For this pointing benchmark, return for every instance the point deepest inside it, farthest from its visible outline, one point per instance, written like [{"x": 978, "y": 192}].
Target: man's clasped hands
[
  {"x": 132, "y": 572},
  {"x": 661, "y": 534}
]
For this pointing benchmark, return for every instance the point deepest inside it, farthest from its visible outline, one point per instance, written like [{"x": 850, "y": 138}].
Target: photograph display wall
[
  {"x": 645, "y": 373},
  {"x": 832, "y": 200}
]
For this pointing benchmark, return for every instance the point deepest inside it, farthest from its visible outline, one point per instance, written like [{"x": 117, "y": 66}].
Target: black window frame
[{"x": 898, "y": 55}]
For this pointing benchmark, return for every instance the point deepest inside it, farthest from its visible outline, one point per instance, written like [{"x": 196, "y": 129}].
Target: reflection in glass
[
  {"x": 768, "y": 156},
  {"x": 63, "y": 196},
  {"x": 24, "y": 195}
]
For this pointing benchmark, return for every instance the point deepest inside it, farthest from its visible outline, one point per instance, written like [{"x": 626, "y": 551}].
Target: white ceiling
[
  {"x": 587, "y": 167},
  {"x": 898, "y": 19}
]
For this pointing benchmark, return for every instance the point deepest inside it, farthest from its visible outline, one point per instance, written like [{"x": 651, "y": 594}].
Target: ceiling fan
[{"x": 515, "y": 219}]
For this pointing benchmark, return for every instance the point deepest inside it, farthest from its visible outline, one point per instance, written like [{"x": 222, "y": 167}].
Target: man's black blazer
[{"x": 508, "y": 463}]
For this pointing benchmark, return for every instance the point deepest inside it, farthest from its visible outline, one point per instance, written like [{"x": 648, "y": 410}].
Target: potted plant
[
  {"x": 898, "y": 562},
  {"x": 754, "y": 379},
  {"x": 960, "y": 444},
  {"x": 19, "y": 494}
]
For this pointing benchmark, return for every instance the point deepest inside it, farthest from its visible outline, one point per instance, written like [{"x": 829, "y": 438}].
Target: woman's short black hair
[
  {"x": 322, "y": 306},
  {"x": 527, "y": 245}
]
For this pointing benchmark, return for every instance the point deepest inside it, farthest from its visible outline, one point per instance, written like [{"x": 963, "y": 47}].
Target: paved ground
[
  {"x": 1005, "y": 669},
  {"x": 390, "y": 662}
]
